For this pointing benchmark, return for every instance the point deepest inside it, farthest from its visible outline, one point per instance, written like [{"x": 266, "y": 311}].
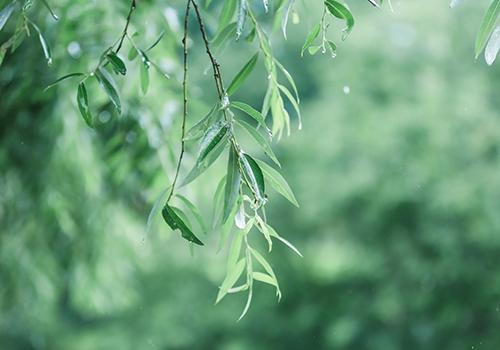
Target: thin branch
[
  {"x": 185, "y": 101},
  {"x": 125, "y": 30}
]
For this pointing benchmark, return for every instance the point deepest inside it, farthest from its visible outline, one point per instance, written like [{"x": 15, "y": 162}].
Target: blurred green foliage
[{"x": 396, "y": 171}]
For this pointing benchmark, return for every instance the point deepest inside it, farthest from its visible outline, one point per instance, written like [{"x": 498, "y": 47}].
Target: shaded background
[{"x": 396, "y": 170}]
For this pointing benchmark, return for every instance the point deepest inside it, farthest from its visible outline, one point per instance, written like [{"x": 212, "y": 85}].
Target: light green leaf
[
  {"x": 83, "y": 104},
  {"x": 242, "y": 75},
  {"x": 487, "y": 26},
  {"x": 491, "y": 51},
  {"x": 226, "y": 14},
  {"x": 261, "y": 225},
  {"x": 235, "y": 249},
  {"x": 261, "y": 140},
  {"x": 144, "y": 73},
  {"x": 286, "y": 13},
  {"x": 43, "y": 42},
  {"x": 194, "y": 211},
  {"x": 156, "y": 208},
  {"x": 108, "y": 85},
  {"x": 342, "y": 12},
  {"x": 226, "y": 33},
  {"x": 200, "y": 127},
  {"x": 233, "y": 275},
  {"x": 265, "y": 278},
  {"x": 274, "y": 234},
  {"x": 277, "y": 182},
  {"x": 313, "y": 34},
  {"x": 175, "y": 222},
  {"x": 289, "y": 78},
  {"x": 251, "y": 112},
  {"x": 50, "y": 10}
]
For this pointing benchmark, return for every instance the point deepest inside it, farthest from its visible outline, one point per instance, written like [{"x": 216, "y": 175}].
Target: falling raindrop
[{"x": 347, "y": 90}]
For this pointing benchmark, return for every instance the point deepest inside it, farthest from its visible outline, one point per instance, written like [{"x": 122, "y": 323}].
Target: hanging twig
[
  {"x": 185, "y": 99},
  {"x": 125, "y": 30}
]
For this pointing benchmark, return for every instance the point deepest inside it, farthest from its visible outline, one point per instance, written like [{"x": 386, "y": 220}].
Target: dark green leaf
[
  {"x": 108, "y": 85},
  {"x": 313, "y": 34},
  {"x": 156, "y": 42},
  {"x": 242, "y": 75},
  {"x": 117, "y": 63},
  {"x": 487, "y": 26},
  {"x": 232, "y": 187},
  {"x": 175, "y": 222},
  {"x": 277, "y": 182},
  {"x": 342, "y": 12},
  {"x": 83, "y": 104},
  {"x": 5, "y": 13},
  {"x": 253, "y": 175},
  {"x": 261, "y": 140},
  {"x": 67, "y": 76}
]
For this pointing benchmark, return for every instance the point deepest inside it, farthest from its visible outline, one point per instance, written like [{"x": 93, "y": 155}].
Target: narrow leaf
[
  {"x": 313, "y": 34},
  {"x": 67, "y": 76},
  {"x": 200, "y": 127},
  {"x": 233, "y": 180},
  {"x": 194, "y": 211},
  {"x": 83, "y": 104},
  {"x": 108, "y": 85},
  {"x": 242, "y": 75},
  {"x": 487, "y": 26},
  {"x": 277, "y": 182},
  {"x": 50, "y": 10},
  {"x": 117, "y": 63},
  {"x": 493, "y": 46},
  {"x": 175, "y": 222},
  {"x": 251, "y": 112},
  {"x": 43, "y": 42},
  {"x": 144, "y": 73},
  {"x": 232, "y": 277},
  {"x": 342, "y": 12},
  {"x": 253, "y": 175},
  {"x": 261, "y": 140},
  {"x": 5, "y": 13}
]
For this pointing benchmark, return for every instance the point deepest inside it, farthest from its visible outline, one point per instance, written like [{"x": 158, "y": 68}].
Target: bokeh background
[{"x": 397, "y": 171}]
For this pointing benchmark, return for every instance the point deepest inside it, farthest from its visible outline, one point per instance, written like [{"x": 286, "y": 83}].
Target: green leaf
[
  {"x": 67, "y": 76},
  {"x": 224, "y": 35},
  {"x": 487, "y": 26},
  {"x": 194, "y": 211},
  {"x": 313, "y": 34},
  {"x": 132, "y": 54},
  {"x": 232, "y": 277},
  {"x": 235, "y": 250},
  {"x": 175, "y": 222},
  {"x": 265, "y": 278},
  {"x": 274, "y": 234},
  {"x": 292, "y": 100},
  {"x": 232, "y": 188},
  {"x": 156, "y": 42},
  {"x": 253, "y": 175},
  {"x": 201, "y": 126},
  {"x": 342, "y": 12},
  {"x": 117, "y": 63},
  {"x": 261, "y": 140},
  {"x": 144, "y": 73},
  {"x": 313, "y": 50},
  {"x": 211, "y": 146},
  {"x": 267, "y": 267},
  {"x": 155, "y": 209},
  {"x": 43, "y": 42},
  {"x": 83, "y": 104},
  {"x": 5, "y": 13},
  {"x": 493, "y": 46},
  {"x": 289, "y": 78},
  {"x": 286, "y": 13},
  {"x": 242, "y": 15},
  {"x": 261, "y": 225},
  {"x": 108, "y": 85},
  {"x": 277, "y": 182},
  {"x": 50, "y": 10},
  {"x": 242, "y": 75},
  {"x": 226, "y": 14},
  {"x": 251, "y": 112}
]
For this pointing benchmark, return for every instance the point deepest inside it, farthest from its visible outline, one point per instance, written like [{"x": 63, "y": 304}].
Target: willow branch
[
  {"x": 185, "y": 100},
  {"x": 125, "y": 30}
]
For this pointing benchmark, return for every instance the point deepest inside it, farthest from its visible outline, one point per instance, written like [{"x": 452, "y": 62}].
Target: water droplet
[
  {"x": 347, "y": 90},
  {"x": 74, "y": 49},
  {"x": 225, "y": 102},
  {"x": 239, "y": 219}
]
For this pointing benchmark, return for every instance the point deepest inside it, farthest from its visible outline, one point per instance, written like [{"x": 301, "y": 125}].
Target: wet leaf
[
  {"x": 232, "y": 188},
  {"x": 487, "y": 26},
  {"x": 175, "y": 222},
  {"x": 117, "y": 63},
  {"x": 253, "y": 175},
  {"x": 83, "y": 104},
  {"x": 108, "y": 85},
  {"x": 242, "y": 75},
  {"x": 61, "y": 79},
  {"x": 5, "y": 13},
  {"x": 261, "y": 140},
  {"x": 277, "y": 182},
  {"x": 313, "y": 34},
  {"x": 342, "y": 12}
]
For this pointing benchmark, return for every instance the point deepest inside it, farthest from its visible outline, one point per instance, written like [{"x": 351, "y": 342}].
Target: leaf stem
[{"x": 125, "y": 30}]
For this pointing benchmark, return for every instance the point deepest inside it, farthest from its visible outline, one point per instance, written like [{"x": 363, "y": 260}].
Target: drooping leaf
[
  {"x": 487, "y": 26},
  {"x": 83, "y": 104},
  {"x": 5, "y": 13},
  {"x": 261, "y": 225},
  {"x": 253, "y": 175},
  {"x": 175, "y": 222},
  {"x": 144, "y": 73},
  {"x": 155, "y": 209},
  {"x": 250, "y": 111},
  {"x": 277, "y": 182},
  {"x": 50, "y": 10},
  {"x": 289, "y": 78},
  {"x": 132, "y": 54},
  {"x": 261, "y": 140},
  {"x": 43, "y": 42},
  {"x": 264, "y": 278},
  {"x": 232, "y": 188},
  {"x": 342, "y": 12},
  {"x": 292, "y": 100},
  {"x": 201, "y": 126},
  {"x": 242, "y": 75},
  {"x": 226, "y": 15},
  {"x": 493, "y": 46},
  {"x": 194, "y": 211},
  {"x": 211, "y": 146},
  {"x": 108, "y": 85},
  {"x": 226, "y": 33},
  {"x": 241, "y": 18},
  {"x": 313, "y": 34},
  {"x": 286, "y": 13},
  {"x": 59, "y": 80},
  {"x": 274, "y": 234},
  {"x": 156, "y": 42},
  {"x": 267, "y": 267},
  {"x": 232, "y": 276},
  {"x": 117, "y": 63}
]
